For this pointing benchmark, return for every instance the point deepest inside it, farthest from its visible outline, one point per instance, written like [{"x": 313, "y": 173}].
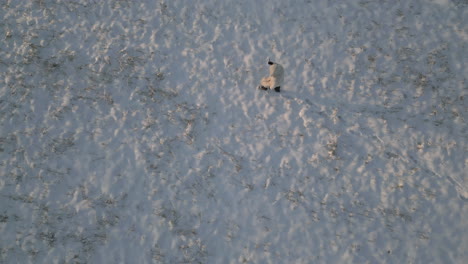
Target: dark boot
[
  {"x": 277, "y": 89},
  {"x": 262, "y": 88}
]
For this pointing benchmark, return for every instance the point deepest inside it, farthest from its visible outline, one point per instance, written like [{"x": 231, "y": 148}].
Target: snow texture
[{"x": 133, "y": 132}]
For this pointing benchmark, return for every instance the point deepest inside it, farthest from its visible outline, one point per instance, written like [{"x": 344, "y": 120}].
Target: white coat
[{"x": 276, "y": 77}]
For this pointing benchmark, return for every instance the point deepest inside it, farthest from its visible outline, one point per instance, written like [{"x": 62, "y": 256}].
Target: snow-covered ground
[{"x": 133, "y": 132}]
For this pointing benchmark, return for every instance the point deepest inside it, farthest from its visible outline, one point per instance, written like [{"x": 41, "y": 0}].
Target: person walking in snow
[{"x": 275, "y": 80}]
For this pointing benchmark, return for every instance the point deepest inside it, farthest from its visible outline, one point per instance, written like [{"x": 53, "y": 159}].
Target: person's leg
[{"x": 265, "y": 83}]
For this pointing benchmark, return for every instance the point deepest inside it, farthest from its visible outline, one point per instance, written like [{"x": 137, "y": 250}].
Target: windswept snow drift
[{"x": 133, "y": 132}]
